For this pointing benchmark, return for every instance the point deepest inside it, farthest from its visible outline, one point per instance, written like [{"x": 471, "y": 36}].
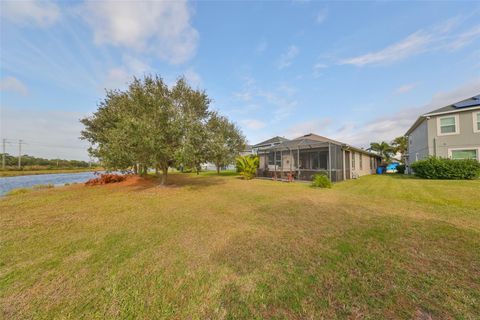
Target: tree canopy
[
  {"x": 388, "y": 150},
  {"x": 150, "y": 125},
  {"x": 384, "y": 149}
]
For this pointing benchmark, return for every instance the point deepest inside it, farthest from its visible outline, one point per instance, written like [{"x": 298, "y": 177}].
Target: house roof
[
  {"x": 274, "y": 140},
  {"x": 312, "y": 140},
  {"x": 464, "y": 105},
  {"x": 316, "y": 137}
]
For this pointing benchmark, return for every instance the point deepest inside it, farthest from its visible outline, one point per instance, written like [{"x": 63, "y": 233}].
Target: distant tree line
[
  {"x": 12, "y": 161},
  {"x": 152, "y": 125}
]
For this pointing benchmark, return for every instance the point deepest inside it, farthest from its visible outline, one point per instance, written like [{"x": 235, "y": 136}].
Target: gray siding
[
  {"x": 466, "y": 138},
  {"x": 418, "y": 147}
]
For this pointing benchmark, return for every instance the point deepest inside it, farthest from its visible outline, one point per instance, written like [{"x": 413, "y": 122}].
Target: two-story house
[{"x": 449, "y": 132}]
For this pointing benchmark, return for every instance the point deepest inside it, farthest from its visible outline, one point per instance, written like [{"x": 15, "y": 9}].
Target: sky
[{"x": 356, "y": 72}]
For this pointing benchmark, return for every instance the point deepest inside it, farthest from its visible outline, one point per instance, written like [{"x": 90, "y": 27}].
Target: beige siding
[{"x": 366, "y": 166}]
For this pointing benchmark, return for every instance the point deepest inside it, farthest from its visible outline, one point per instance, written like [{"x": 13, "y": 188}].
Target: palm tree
[
  {"x": 399, "y": 145},
  {"x": 385, "y": 150}
]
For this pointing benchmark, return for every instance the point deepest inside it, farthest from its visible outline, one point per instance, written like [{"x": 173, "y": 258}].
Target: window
[
  {"x": 272, "y": 161},
  {"x": 353, "y": 160},
  {"x": 314, "y": 160},
  {"x": 464, "y": 154},
  {"x": 476, "y": 121},
  {"x": 361, "y": 161},
  {"x": 448, "y": 125}
]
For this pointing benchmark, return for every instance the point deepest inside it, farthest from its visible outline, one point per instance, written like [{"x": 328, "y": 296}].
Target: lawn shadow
[{"x": 174, "y": 180}]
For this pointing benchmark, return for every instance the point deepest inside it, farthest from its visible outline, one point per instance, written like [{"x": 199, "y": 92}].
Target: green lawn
[{"x": 212, "y": 247}]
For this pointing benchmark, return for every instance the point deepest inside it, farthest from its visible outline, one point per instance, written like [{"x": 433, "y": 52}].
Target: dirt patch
[{"x": 106, "y": 178}]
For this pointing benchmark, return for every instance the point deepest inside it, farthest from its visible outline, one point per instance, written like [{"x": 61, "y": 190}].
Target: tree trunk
[
  {"x": 218, "y": 168},
  {"x": 156, "y": 170},
  {"x": 164, "y": 176},
  {"x": 135, "y": 169},
  {"x": 145, "y": 170}
]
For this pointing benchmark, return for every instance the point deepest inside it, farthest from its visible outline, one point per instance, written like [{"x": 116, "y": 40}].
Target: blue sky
[{"x": 354, "y": 71}]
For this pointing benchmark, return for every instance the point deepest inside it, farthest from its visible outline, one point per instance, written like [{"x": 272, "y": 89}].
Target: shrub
[
  {"x": 441, "y": 168},
  {"x": 401, "y": 168},
  {"x": 247, "y": 166},
  {"x": 321, "y": 181},
  {"x": 105, "y": 179}
]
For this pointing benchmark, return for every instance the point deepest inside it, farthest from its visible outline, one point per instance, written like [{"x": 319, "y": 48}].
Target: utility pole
[
  {"x": 3, "y": 154},
  {"x": 20, "y": 154}
]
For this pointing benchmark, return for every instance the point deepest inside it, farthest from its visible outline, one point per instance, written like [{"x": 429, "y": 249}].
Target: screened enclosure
[{"x": 301, "y": 159}]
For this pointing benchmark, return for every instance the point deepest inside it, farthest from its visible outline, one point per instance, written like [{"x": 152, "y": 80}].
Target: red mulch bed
[{"x": 106, "y": 179}]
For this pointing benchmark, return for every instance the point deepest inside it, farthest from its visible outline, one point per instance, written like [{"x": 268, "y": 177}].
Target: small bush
[
  {"x": 105, "y": 179},
  {"x": 247, "y": 166},
  {"x": 401, "y": 168},
  {"x": 321, "y": 181},
  {"x": 441, "y": 168}
]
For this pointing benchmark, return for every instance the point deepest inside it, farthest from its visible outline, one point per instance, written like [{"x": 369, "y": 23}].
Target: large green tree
[
  {"x": 226, "y": 141},
  {"x": 151, "y": 125},
  {"x": 193, "y": 106}
]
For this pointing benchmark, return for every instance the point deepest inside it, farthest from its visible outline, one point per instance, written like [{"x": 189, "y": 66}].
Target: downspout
[
  {"x": 298, "y": 162},
  {"x": 329, "y": 162},
  {"x": 275, "y": 163}
]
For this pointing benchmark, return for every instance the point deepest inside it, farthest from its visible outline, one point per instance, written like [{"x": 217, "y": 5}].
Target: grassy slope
[
  {"x": 220, "y": 247},
  {"x": 14, "y": 173}
]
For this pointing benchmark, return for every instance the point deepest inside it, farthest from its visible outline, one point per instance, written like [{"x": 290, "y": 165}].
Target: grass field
[
  {"x": 210, "y": 247},
  {"x": 14, "y": 173}
]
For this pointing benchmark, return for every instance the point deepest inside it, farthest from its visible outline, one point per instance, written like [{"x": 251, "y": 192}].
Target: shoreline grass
[
  {"x": 14, "y": 173},
  {"x": 220, "y": 247}
]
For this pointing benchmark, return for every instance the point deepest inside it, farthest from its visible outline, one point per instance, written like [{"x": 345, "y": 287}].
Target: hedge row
[{"x": 441, "y": 168}]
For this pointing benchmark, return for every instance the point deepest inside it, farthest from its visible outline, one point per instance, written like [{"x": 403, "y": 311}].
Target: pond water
[{"x": 9, "y": 183}]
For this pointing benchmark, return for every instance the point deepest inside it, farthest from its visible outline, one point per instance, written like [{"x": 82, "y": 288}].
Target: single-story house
[
  {"x": 451, "y": 131},
  {"x": 305, "y": 156}
]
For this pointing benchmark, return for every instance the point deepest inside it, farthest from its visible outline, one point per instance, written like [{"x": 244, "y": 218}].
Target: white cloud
[
  {"x": 160, "y": 27},
  {"x": 413, "y": 44},
  {"x": 322, "y": 15},
  {"x": 193, "y": 78},
  {"x": 318, "y": 68},
  {"x": 464, "y": 38},
  {"x": 46, "y": 133},
  {"x": 389, "y": 127},
  {"x": 253, "y": 124},
  {"x": 286, "y": 58},
  {"x": 424, "y": 40},
  {"x": 118, "y": 77},
  {"x": 318, "y": 126},
  {"x": 41, "y": 13},
  {"x": 406, "y": 88},
  {"x": 14, "y": 85},
  {"x": 280, "y": 101}
]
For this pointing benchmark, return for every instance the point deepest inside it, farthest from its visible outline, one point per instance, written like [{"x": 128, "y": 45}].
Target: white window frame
[
  {"x": 475, "y": 116},
  {"x": 464, "y": 148},
  {"x": 457, "y": 125}
]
